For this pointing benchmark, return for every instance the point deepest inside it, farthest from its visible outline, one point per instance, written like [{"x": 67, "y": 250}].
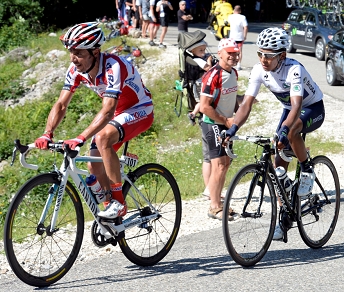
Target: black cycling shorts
[{"x": 311, "y": 116}]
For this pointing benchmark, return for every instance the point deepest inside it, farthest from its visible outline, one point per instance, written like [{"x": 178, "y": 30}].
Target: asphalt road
[{"x": 200, "y": 262}]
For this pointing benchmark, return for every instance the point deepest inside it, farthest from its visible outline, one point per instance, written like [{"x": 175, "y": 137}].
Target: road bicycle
[
  {"x": 252, "y": 195},
  {"x": 44, "y": 225},
  {"x": 130, "y": 53}
]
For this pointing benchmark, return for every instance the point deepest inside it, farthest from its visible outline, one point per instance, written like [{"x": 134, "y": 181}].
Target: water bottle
[
  {"x": 283, "y": 178},
  {"x": 95, "y": 188}
]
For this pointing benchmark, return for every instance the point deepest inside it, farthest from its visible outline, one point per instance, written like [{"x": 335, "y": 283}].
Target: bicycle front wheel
[
  {"x": 38, "y": 255},
  {"x": 318, "y": 212},
  {"x": 149, "y": 243},
  {"x": 248, "y": 237}
]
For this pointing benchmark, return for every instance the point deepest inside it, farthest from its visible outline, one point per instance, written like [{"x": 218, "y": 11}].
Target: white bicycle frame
[{"x": 76, "y": 174}]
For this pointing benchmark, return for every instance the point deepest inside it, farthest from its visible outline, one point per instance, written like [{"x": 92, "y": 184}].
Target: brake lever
[
  {"x": 14, "y": 152},
  {"x": 281, "y": 152},
  {"x": 227, "y": 144}
]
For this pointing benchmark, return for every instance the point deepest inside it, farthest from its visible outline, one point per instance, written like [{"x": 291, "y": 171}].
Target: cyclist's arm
[
  {"x": 104, "y": 116},
  {"x": 58, "y": 111},
  {"x": 244, "y": 110}
]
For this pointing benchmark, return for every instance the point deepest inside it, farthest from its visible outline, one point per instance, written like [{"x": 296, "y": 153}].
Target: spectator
[
  {"x": 218, "y": 104},
  {"x": 154, "y": 22},
  {"x": 122, "y": 16},
  {"x": 137, "y": 19},
  {"x": 163, "y": 7},
  {"x": 145, "y": 7},
  {"x": 238, "y": 32},
  {"x": 183, "y": 18},
  {"x": 257, "y": 11},
  {"x": 193, "y": 9}
]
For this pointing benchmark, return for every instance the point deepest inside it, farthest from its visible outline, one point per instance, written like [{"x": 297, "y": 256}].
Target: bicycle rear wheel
[
  {"x": 248, "y": 238},
  {"x": 38, "y": 256},
  {"x": 320, "y": 210},
  {"x": 149, "y": 243}
]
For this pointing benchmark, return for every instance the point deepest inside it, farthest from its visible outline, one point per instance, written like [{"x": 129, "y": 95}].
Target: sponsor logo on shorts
[
  {"x": 216, "y": 134},
  {"x": 135, "y": 117},
  {"x": 310, "y": 122}
]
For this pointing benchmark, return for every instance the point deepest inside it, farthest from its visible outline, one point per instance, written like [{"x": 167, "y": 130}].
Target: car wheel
[
  {"x": 290, "y": 48},
  {"x": 331, "y": 75},
  {"x": 320, "y": 50}
]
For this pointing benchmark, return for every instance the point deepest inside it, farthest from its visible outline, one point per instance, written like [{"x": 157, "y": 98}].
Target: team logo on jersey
[
  {"x": 229, "y": 90},
  {"x": 130, "y": 82},
  {"x": 285, "y": 85},
  {"x": 296, "y": 74},
  {"x": 310, "y": 86},
  {"x": 297, "y": 88},
  {"x": 266, "y": 76}
]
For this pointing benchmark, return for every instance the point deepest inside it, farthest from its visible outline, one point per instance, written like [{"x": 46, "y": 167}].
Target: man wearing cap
[{"x": 218, "y": 104}]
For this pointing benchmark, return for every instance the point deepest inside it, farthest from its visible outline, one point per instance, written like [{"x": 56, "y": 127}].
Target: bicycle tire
[
  {"x": 289, "y": 3},
  {"x": 248, "y": 239},
  {"x": 316, "y": 225},
  {"x": 37, "y": 257},
  {"x": 146, "y": 246}
]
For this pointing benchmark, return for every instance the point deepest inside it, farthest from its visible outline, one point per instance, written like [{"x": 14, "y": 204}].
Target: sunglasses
[{"x": 267, "y": 55}]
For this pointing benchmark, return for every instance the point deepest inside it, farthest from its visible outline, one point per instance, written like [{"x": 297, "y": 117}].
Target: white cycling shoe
[
  {"x": 278, "y": 234},
  {"x": 113, "y": 210},
  {"x": 306, "y": 183}
]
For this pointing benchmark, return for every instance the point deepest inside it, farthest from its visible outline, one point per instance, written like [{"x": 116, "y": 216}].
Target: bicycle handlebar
[
  {"x": 256, "y": 140},
  {"x": 58, "y": 147}
]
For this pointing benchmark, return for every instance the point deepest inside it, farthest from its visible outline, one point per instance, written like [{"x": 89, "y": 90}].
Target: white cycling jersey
[{"x": 291, "y": 79}]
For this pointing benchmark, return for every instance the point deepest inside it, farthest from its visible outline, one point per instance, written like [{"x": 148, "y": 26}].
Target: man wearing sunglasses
[{"x": 299, "y": 95}]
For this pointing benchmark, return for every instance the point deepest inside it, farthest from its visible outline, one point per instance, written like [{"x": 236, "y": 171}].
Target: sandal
[{"x": 213, "y": 213}]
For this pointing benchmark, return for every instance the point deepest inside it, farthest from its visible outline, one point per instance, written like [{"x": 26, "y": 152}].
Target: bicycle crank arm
[
  {"x": 251, "y": 215},
  {"x": 130, "y": 223}
]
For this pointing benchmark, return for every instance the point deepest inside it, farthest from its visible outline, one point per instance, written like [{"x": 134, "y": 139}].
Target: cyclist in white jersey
[{"x": 300, "y": 96}]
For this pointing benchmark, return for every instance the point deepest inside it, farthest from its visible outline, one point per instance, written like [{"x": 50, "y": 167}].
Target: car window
[
  {"x": 311, "y": 17},
  {"x": 302, "y": 17},
  {"x": 293, "y": 16},
  {"x": 337, "y": 38}
]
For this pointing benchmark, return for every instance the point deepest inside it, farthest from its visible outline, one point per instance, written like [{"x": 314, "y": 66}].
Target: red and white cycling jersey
[
  {"x": 116, "y": 78},
  {"x": 222, "y": 86}
]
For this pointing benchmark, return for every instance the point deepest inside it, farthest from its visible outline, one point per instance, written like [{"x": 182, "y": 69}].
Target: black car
[
  {"x": 309, "y": 30},
  {"x": 335, "y": 59}
]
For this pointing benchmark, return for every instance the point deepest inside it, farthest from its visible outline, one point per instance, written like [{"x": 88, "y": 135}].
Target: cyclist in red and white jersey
[
  {"x": 127, "y": 108},
  {"x": 300, "y": 96}
]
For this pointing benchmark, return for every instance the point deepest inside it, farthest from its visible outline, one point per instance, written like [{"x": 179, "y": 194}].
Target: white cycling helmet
[
  {"x": 273, "y": 38},
  {"x": 83, "y": 36}
]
